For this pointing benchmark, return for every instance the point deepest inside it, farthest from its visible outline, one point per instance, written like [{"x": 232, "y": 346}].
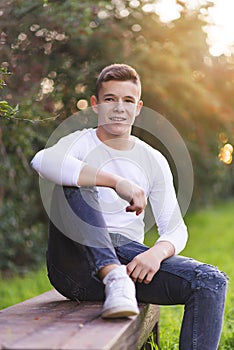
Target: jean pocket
[{"x": 65, "y": 285}]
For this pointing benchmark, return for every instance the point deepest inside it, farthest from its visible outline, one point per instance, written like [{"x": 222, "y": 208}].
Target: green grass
[
  {"x": 17, "y": 289},
  {"x": 211, "y": 240}
]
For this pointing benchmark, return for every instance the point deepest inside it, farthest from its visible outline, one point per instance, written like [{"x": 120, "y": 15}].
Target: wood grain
[{"x": 50, "y": 321}]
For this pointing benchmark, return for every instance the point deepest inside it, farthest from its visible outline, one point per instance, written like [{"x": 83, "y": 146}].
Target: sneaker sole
[{"x": 118, "y": 312}]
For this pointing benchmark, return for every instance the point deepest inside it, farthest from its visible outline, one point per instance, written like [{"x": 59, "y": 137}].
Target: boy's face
[{"x": 117, "y": 106}]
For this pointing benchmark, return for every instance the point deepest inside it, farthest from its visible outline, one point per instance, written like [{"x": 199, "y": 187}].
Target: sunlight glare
[
  {"x": 162, "y": 9},
  {"x": 167, "y": 10},
  {"x": 82, "y": 104},
  {"x": 218, "y": 15},
  {"x": 220, "y": 28},
  {"x": 225, "y": 154}
]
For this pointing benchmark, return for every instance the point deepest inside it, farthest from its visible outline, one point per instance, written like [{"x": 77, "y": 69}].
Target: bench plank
[
  {"x": 27, "y": 317},
  {"x": 50, "y": 321}
]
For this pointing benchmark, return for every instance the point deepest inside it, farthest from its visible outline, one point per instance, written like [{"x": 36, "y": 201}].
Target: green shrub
[{"x": 22, "y": 243}]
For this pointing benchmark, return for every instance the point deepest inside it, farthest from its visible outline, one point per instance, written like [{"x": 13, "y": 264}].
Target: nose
[{"x": 119, "y": 107}]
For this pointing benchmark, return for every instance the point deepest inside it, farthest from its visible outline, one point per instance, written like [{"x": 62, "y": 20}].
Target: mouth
[{"x": 117, "y": 119}]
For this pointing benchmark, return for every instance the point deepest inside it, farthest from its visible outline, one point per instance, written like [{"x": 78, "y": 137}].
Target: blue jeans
[{"x": 73, "y": 263}]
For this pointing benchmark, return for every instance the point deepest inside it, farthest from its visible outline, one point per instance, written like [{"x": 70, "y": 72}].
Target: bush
[{"x": 22, "y": 245}]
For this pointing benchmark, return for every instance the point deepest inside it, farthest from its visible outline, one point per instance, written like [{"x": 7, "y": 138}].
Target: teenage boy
[{"x": 103, "y": 178}]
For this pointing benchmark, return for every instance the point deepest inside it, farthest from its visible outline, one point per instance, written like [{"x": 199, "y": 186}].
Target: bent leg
[{"x": 79, "y": 244}]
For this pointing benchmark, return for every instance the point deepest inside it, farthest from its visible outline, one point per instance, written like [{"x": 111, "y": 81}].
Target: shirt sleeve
[
  {"x": 165, "y": 207},
  {"x": 59, "y": 163}
]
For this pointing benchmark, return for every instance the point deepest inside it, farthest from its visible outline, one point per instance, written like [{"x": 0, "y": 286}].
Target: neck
[{"x": 123, "y": 143}]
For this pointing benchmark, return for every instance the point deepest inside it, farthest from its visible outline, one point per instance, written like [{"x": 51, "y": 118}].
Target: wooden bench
[{"x": 50, "y": 321}]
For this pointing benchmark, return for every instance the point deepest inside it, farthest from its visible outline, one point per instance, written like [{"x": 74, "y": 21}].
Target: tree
[{"x": 54, "y": 50}]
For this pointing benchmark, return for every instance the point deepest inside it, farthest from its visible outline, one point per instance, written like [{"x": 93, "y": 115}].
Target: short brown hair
[{"x": 118, "y": 72}]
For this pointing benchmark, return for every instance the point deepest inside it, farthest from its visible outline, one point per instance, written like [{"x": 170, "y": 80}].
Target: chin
[{"x": 119, "y": 129}]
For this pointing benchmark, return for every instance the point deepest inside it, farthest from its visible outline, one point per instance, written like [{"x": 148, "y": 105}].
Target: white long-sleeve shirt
[{"x": 142, "y": 164}]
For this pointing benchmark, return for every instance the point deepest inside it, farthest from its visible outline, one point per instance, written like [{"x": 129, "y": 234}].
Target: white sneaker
[{"x": 120, "y": 294}]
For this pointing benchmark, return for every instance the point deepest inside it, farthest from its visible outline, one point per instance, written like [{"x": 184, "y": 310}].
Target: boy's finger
[
  {"x": 130, "y": 267},
  {"x": 132, "y": 208},
  {"x": 148, "y": 278}
]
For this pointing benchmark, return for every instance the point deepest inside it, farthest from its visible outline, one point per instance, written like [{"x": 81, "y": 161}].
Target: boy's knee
[
  {"x": 79, "y": 191},
  {"x": 209, "y": 277}
]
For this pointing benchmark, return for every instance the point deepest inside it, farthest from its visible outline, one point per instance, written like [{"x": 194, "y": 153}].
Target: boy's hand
[
  {"x": 145, "y": 265},
  {"x": 134, "y": 194}
]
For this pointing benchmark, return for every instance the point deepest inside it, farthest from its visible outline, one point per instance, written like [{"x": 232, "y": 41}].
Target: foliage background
[{"x": 53, "y": 51}]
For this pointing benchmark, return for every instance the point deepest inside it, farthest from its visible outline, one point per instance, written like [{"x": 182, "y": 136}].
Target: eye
[
  {"x": 109, "y": 99},
  {"x": 129, "y": 101}
]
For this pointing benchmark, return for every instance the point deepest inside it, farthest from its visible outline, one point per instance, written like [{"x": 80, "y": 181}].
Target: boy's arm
[
  {"x": 171, "y": 228},
  {"x": 127, "y": 190},
  {"x": 59, "y": 165}
]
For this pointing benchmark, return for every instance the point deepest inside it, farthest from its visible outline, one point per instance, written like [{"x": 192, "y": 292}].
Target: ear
[
  {"x": 139, "y": 106},
  {"x": 94, "y": 103}
]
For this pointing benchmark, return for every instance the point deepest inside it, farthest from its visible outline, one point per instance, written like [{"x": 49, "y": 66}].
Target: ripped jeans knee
[{"x": 209, "y": 277}]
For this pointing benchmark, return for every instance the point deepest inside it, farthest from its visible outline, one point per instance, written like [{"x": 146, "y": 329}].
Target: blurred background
[{"x": 50, "y": 54}]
